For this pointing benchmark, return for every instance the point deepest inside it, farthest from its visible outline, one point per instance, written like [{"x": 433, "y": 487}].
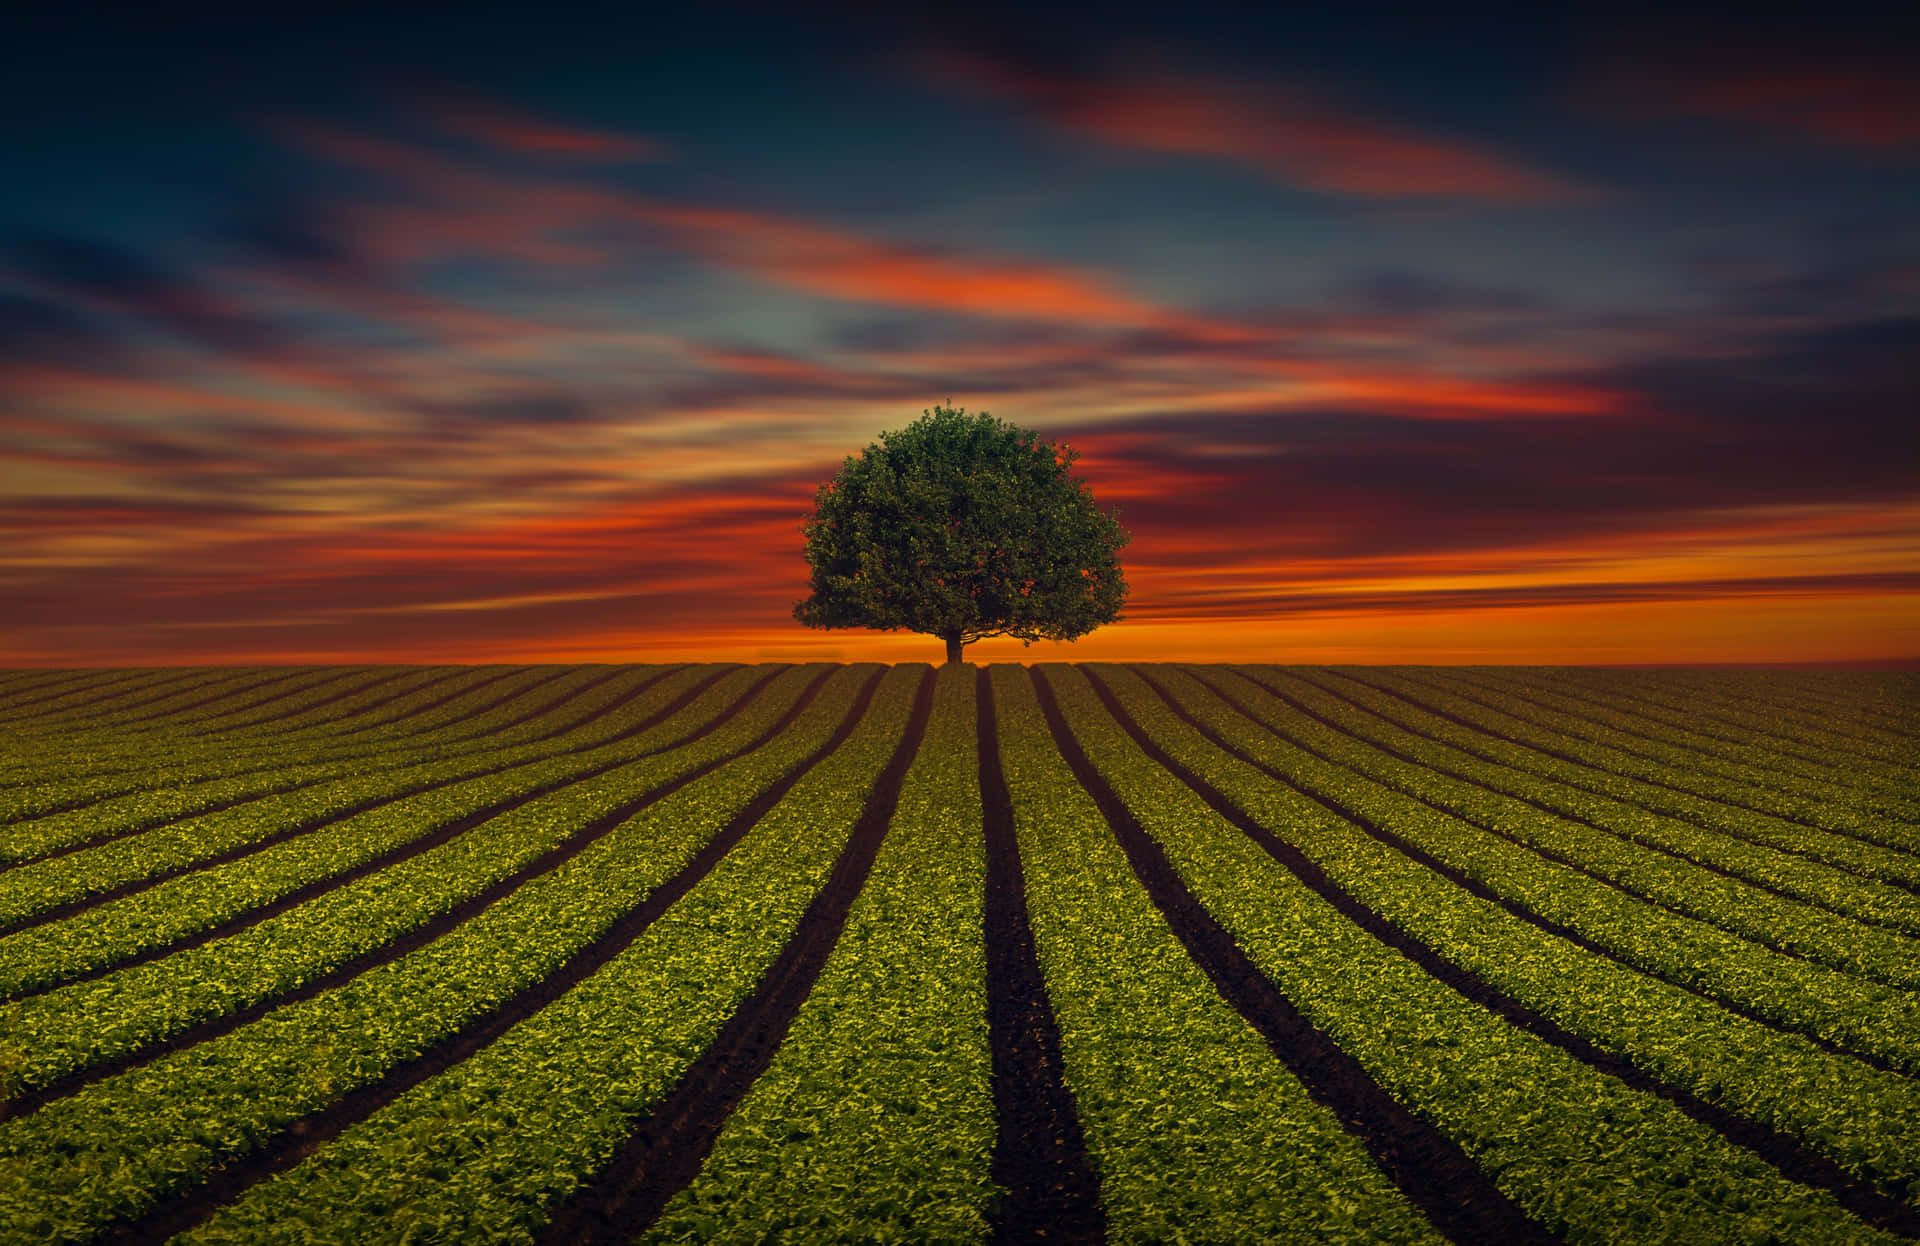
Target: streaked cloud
[{"x": 1291, "y": 132}]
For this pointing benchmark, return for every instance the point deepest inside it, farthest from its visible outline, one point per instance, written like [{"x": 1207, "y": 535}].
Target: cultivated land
[{"x": 817, "y": 953}]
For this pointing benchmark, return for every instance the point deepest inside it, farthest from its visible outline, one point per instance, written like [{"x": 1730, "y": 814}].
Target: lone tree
[{"x": 963, "y": 527}]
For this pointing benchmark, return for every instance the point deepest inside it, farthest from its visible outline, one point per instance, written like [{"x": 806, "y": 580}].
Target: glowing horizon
[{"x": 1607, "y": 359}]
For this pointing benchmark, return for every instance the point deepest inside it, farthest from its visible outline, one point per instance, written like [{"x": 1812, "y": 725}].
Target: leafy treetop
[{"x": 963, "y": 527}]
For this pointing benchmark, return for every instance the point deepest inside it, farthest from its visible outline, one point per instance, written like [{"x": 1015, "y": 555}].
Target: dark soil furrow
[
  {"x": 1845, "y": 721},
  {"x": 1691, "y": 820},
  {"x": 118, "y": 723},
  {"x": 1703, "y": 716},
  {"x": 256, "y": 705},
  {"x": 1571, "y": 760},
  {"x": 106, "y": 707},
  {"x": 1440, "y": 806},
  {"x": 273, "y": 723},
  {"x": 1430, "y": 1168},
  {"x": 313, "y": 824},
  {"x": 416, "y": 938},
  {"x": 1531, "y": 697},
  {"x": 539, "y": 711},
  {"x": 63, "y": 684},
  {"x": 246, "y": 744},
  {"x": 1900, "y": 883},
  {"x": 1040, "y": 1153},
  {"x": 112, "y": 689},
  {"x": 1527, "y": 915},
  {"x": 666, "y": 1148},
  {"x": 351, "y": 726},
  {"x": 1778, "y": 1149},
  {"x": 236, "y": 802},
  {"x": 189, "y": 1207}
]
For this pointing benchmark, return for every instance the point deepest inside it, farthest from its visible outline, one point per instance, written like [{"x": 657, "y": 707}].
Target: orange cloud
[{"x": 1289, "y": 134}]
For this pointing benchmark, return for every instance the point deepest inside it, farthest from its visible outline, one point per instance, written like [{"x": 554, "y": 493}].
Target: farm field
[{"x": 1139, "y": 953}]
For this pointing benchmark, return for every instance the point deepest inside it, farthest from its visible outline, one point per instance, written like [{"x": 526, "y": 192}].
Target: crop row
[
  {"x": 190, "y": 901},
  {"x": 360, "y": 727},
  {"x": 367, "y": 710},
  {"x": 546, "y": 1105},
  {"x": 84, "y": 852},
  {"x": 119, "y": 1147},
  {"x": 875, "y": 1120},
  {"x": 269, "y": 765},
  {"x": 1874, "y": 719},
  {"x": 1684, "y": 754},
  {"x": 1181, "y": 1099},
  {"x": 511, "y": 722},
  {"x": 1864, "y": 1119},
  {"x": 1678, "y": 866},
  {"x": 224, "y": 691},
  {"x": 105, "y": 1021},
  {"x": 1490, "y": 711},
  {"x": 1687, "y": 743},
  {"x": 1875, "y": 1021},
  {"x": 1579, "y": 1152},
  {"x": 1427, "y": 714}
]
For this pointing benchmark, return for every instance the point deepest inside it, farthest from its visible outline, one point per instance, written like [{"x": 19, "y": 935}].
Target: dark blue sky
[{"x": 1550, "y": 335}]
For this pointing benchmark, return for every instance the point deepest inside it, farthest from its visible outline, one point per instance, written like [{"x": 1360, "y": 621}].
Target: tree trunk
[{"x": 953, "y": 647}]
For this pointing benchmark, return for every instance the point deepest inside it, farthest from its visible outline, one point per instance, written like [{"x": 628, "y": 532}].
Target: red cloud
[
  {"x": 1847, "y": 96},
  {"x": 468, "y": 115},
  {"x": 1287, "y": 133},
  {"x": 1859, "y": 108}
]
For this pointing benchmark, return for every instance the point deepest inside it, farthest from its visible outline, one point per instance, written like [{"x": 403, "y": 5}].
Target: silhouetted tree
[{"x": 963, "y": 527}]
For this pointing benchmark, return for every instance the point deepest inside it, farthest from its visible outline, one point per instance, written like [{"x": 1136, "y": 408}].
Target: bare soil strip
[
  {"x": 1778, "y": 1149},
  {"x": 189, "y": 1207},
  {"x": 1040, "y": 1152},
  {"x": 1429, "y": 1167},
  {"x": 1671, "y": 787},
  {"x": 544, "y": 708},
  {"x": 1305, "y": 712},
  {"x": 222, "y": 806},
  {"x": 254, "y": 741},
  {"x": 1689, "y": 819},
  {"x": 114, "y": 689},
  {"x": 1566, "y": 862},
  {"x": 666, "y": 1148},
  {"x": 231, "y": 679},
  {"x": 157, "y": 776},
  {"x": 1866, "y": 728},
  {"x": 269, "y": 725},
  {"x": 420, "y": 936},
  {"x": 348, "y": 726},
  {"x": 1480, "y": 889},
  {"x": 400, "y": 853},
  {"x": 1686, "y": 729},
  {"x": 174, "y": 711},
  {"x": 63, "y": 684}
]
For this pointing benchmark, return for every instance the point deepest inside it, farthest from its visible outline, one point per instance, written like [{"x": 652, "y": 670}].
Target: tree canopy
[{"x": 963, "y": 527}]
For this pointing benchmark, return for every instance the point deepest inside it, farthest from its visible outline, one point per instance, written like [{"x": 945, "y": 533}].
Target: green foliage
[
  {"x": 1858, "y": 1014},
  {"x": 88, "y": 1023},
  {"x": 1866, "y": 1120},
  {"x": 109, "y": 1151},
  {"x": 1191, "y": 1122},
  {"x": 1579, "y": 797},
  {"x": 962, "y": 527},
  {"x": 1578, "y": 1151},
  {"x": 481, "y": 1153},
  {"x": 875, "y": 1121}
]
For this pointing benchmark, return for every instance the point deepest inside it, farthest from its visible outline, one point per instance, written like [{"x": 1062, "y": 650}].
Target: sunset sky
[{"x": 330, "y": 336}]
